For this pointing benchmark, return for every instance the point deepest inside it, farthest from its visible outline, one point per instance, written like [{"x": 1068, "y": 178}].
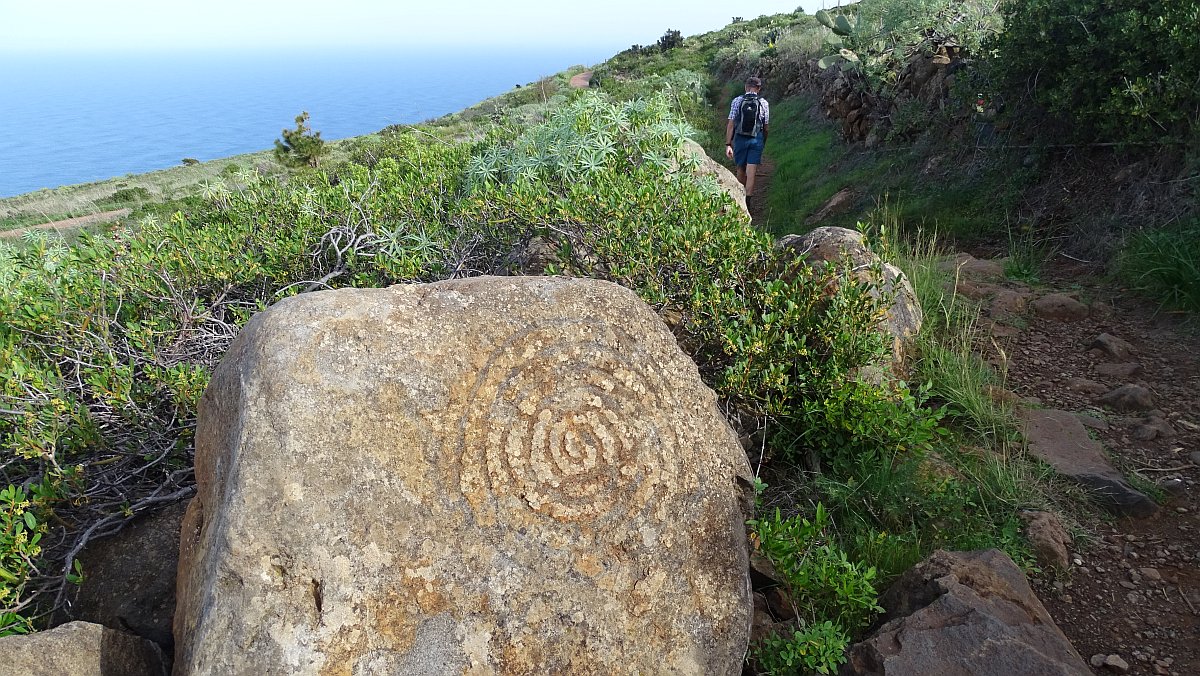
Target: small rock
[
  {"x": 1060, "y": 307},
  {"x": 1122, "y": 371},
  {"x": 1000, "y": 395},
  {"x": 1048, "y": 538},
  {"x": 1127, "y": 584},
  {"x": 1092, "y": 422},
  {"x": 1173, "y": 486},
  {"x": 979, "y": 268},
  {"x": 1151, "y": 574},
  {"x": 1085, "y": 386},
  {"x": 1115, "y": 663},
  {"x": 1194, "y": 456},
  {"x": 1181, "y": 510},
  {"x": 1153, "y": 428},
  {"x": 1008, "y": 302},
  {"x": 1097, "y": 660},
  {"x": 1112, "y": 346},
  {"x": 1128, "y": 398}
]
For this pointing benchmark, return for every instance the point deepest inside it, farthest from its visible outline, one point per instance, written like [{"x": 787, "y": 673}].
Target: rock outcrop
[
  {"x": 493, "y": 475},
  {"x": 1060, "y": 439},
  {"x": 131, "y": 577},
  {"x": 80, "y": 649},
  {"x": 965, "y": 613},
  {"x": 828, "y": 244},
  {"x": 707, "y": 166}
]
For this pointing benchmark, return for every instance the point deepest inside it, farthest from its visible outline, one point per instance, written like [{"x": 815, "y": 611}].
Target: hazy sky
[{"x": 30, "y": 26}]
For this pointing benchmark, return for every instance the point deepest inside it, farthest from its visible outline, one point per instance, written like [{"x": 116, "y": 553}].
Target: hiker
[{"x": 746, "y": 132}]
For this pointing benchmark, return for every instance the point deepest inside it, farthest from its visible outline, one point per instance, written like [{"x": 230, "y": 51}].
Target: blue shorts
[{"x": 747, "y": 149}]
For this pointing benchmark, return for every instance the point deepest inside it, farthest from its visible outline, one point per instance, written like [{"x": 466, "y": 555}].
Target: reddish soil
[
  {"x": 69, "y": 223},
  {"x": 757, "y": 203},
  {"x": 582, "y": 80},
  {"x": 1134, "y": 587}
]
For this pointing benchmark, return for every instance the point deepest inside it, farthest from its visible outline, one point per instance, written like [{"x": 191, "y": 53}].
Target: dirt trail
[
  {"x": 582, "y": 80},
  {"x": 1133, "y": 586},
  {"x": 1133, "y": 589},
  {"x": 69, "y": 224},
  {"x": 757, "y": 203}
]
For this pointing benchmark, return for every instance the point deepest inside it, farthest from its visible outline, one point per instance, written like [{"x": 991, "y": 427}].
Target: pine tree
[{"x": 300, "y": 147}]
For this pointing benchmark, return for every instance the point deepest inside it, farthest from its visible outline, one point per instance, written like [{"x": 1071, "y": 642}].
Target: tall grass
[{"x": 1165, "y": 264}]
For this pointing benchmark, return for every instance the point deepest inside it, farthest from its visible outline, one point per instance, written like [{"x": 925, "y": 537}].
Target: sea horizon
[{"x": 84, "y": 117}]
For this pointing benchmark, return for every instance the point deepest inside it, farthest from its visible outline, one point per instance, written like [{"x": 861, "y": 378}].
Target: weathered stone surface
[
  {"x": 966, "y": 266},
  {"x": 80, "y": 649},
  {"x": 904, "y": 316},
  {"x": 493, "y": 475},
  {"x": 1128, "y": 398},
  {"x": 1092, "y": 422},
  {"x": 1085, "y": 386},
  {"x": 1008, "y": 303},
  {"x": 1124, "y": 370},
  {"x": 1153, "y": 427},
  {"x": 965, "y": 613},
  {"x": 1060, "y": 439},
  {"x": 841, "y": 201},
  {"x": 707, "y": 166},
  {"x": 1114, "y": 347},
  {"x": 130, "y": 581},
  {"x": 972, "y": 289},
  {"x": 1059, "y": 307},
  {"x": 1049, "y": 539}
]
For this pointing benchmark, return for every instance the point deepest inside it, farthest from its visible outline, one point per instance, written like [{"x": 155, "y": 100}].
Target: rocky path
[
  {"x": 1129, "y": 595},
  {"x": 69, "y": 223}
]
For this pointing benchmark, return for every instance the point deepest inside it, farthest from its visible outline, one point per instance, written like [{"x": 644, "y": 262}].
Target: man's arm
[
  {"x": 765, "y": 128},
  {"x": 729, "y": 139}
]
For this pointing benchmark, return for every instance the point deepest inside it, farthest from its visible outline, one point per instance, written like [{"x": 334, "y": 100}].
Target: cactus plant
[{"x": 842, "y": 25}]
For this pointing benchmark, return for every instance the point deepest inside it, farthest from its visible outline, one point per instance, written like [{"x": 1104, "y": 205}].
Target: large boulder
[
  {"x": 827, "y": 244},
  {"x": 130, "y": 580},
  {"x": 516, "y": 475},
  {"x": 965, "y": 613},
  {"x": 707, "y": 166},
  {"x": 80, "y": 649}
]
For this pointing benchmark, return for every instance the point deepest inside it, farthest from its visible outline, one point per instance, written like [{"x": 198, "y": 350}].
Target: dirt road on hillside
[
  {"x": 582, "y": 80},
  {"x": 68, "y": 224}
]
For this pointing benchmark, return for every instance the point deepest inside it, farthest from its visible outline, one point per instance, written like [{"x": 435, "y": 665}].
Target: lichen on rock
[{"x": 495, "y": 475}]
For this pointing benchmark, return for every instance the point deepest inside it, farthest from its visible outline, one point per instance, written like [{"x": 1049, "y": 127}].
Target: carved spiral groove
[{"x": 564, "y": 423}]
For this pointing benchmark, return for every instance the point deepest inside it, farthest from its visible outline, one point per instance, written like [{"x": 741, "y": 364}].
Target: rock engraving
[{"x": 561, "y": 422}]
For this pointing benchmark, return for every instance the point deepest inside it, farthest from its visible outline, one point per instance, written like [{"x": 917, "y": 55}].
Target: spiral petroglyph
[
  {"x": 562, "y": 421},
  {"x": 484, "y": 475}
]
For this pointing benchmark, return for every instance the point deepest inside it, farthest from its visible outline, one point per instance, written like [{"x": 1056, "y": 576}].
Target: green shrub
[
  {"x": 21, "y": 533},
  {"x": 130, "y": 195},
  {"x": 1116, "y": 73},
  {"x": 833, "y": 596},
  {"x": 817, "y": 648}
]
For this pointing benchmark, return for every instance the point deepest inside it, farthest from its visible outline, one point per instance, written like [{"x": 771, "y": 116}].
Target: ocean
[{"x": 68, "y": 119}]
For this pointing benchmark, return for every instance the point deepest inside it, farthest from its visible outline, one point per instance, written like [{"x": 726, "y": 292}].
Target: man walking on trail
[{"x": 746, "y": 132}]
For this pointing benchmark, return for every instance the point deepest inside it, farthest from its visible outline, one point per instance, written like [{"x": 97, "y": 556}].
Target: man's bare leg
[
  {"x": 741, "y": 174},
  {"x": 751, "y": 169}
]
